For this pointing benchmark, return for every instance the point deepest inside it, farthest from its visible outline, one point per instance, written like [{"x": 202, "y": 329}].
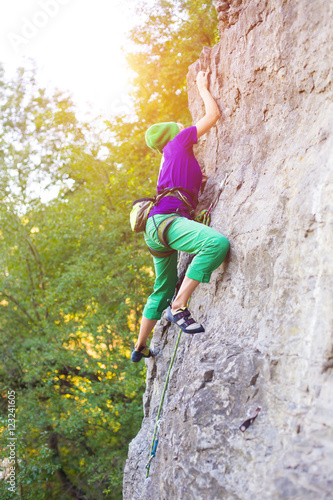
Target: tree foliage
[
  {"x": 169, "y": 39},
  {"x": 71, "y": 298},
  {"x": 73, "y": 278}
]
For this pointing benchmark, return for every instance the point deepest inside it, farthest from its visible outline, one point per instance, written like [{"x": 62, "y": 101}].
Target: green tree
[
  {"x": 169, "y": 39},
  {"x": 72, "y": 286},
  {"x": 36, "y": 137}
]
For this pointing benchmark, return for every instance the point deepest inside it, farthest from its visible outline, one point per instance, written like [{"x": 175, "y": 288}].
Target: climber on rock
[{"x": 179, "y": 168}]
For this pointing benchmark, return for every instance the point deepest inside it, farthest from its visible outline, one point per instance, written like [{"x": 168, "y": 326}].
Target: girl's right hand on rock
[{"x": 202, "y": 80}]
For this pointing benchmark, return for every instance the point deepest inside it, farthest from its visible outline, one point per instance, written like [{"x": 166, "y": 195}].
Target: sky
[{"x": 77, "y": 46}]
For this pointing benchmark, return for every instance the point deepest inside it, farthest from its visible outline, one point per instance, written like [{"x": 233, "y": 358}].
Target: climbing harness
[
  {"x": 141, "y": 208},
  {"x": 204, "y": 217},
  {"x": 161, "y": 232},
  {"x": 158, "y": 417},
  {"x": 162, "y": 227}
]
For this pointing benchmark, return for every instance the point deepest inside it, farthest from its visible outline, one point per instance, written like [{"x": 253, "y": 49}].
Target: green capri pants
[{"x": 210, "y": 249}]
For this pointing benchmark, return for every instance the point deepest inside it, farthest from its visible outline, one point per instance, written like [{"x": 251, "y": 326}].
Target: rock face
[{"x": 268, "y": 310}]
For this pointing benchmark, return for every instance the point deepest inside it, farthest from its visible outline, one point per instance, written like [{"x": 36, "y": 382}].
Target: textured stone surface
[{"x": 268, "y": 310}]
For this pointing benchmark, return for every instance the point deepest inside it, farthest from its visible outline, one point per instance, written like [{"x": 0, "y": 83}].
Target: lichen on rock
[{"x": 268, "y": 310}]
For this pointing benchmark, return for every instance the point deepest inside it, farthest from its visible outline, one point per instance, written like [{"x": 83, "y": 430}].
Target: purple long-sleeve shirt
[{"x": 179, "y": 168}]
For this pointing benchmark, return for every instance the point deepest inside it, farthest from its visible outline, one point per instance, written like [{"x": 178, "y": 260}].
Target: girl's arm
[{"x": 211, "y": 108}]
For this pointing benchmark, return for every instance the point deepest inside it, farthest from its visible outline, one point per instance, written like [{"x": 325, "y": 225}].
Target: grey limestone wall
[{"x": 268, "y": 310}]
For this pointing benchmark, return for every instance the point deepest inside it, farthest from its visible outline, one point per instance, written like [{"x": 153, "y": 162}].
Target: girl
[{"x": 179, "y": 168}]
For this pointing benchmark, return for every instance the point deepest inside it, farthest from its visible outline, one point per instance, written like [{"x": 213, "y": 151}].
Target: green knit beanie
[{"x": 158, "y": 135}]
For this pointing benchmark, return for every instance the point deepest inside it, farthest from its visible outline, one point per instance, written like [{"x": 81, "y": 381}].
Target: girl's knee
[
  {"x": 219, "y": 248},
  {"x": 225, "y": 245},
  {"x": 221, "y": 245}
]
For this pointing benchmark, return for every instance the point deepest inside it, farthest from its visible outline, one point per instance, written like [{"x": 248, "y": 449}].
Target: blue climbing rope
[{"x": 158, "y": 418}]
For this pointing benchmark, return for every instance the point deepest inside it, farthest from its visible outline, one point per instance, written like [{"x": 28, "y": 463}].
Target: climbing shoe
[
  {"x": 143, "y": 352},
  {"x": 184, "y": 320}
]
